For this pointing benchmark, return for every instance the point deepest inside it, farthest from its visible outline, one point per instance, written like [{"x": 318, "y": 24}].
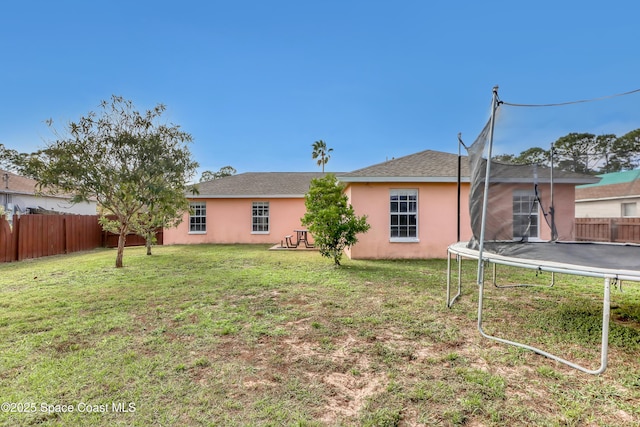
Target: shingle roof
[
  {"x": 12, "y": 183},
  {"x": 17, "y": 184},
  {"x": 612, "y": 185},
  {"x": 262, "y": 184},
  {"x": 624, "y": 177},
  {"x": 426, "y": 165},
  {"x": 501, "y": 172},
  {"x": 437, "y": 166}
]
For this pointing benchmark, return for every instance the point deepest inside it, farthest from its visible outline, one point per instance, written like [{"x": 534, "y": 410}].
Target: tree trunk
[
  {"x": 148, "y": 242},
  {"x": 121, "y": 241}
]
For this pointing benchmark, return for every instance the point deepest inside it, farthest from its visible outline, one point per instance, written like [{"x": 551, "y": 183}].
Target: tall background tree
[
  {"x": 585, "y": 153},
  {"x": 330, "y": 218},
  {"x": 531, "y": 155},
  {"x": 321, "y": 152},
  {"x": 578, "y": 152},
  {"x": 8, "y": 158},
  {"x": 624, "y": 152},
  {"x": 224, "y": 171},
  {"x": 134, "y": 166}
]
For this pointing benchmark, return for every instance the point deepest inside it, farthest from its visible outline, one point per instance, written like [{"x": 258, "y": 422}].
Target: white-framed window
[
  {"x": 403, "y": 215},
  {"x": 198, "y": 217},
  {"x": 526, "y": 218},
  {"x": 629, "y": 209},
  {"x": 260, "y": 218}
]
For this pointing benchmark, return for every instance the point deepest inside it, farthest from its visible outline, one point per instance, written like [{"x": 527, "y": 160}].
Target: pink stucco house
[
  {"x": 411, "y": 203},
  {"x": 253, "y": 207}
]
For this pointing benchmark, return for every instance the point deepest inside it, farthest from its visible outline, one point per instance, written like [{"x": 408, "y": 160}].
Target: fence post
[
  {"x": 65, "y": 248},
  {"x": 6, "y": 241},
  {"x": 15, "y": 238}
]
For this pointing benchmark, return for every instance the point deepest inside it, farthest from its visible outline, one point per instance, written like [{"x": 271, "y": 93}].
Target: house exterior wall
[
  {"x": 230, "y": 221},
  {"x": 564, "y": 196},
  {"x": 500, "y": 211},
  {"x": 437, "y": 220},
  {"x": 24, "y": 201},
  {"x": 437, "y": 217},
  {"x": 603, "y": 208}
]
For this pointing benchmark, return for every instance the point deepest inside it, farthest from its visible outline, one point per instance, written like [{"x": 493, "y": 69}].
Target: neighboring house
[
  {"x": 617, "y": 195},
  {"x": 254, "y": 207},
  {"x": 411, "y": 204},
  {"x": 18, "y": 195}
]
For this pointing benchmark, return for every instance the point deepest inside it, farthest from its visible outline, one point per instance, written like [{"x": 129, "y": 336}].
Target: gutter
[
  {"x": 451, "y": 179},
  {"x": 600, "y": 199},
  {"x": 245, "y": 196}
]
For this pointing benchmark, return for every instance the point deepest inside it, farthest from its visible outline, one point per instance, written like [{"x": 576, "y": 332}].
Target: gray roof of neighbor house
[
  {"x": 258, "y": 184},
  {"x": 10, "y": 183},
  {"x": 16, "y": 184},
  {"x": 437, "y": 166}
]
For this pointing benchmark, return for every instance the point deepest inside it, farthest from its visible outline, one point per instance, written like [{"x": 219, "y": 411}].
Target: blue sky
[{"x": 257, "y": 82}]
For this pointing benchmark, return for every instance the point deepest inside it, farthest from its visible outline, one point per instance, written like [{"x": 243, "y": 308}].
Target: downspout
[
  {"x": 459, "y": 177},
  {"x": 552, "y": 213},
  {"x": 5, "y": 204},
  {"x": 459, "y": 181}
]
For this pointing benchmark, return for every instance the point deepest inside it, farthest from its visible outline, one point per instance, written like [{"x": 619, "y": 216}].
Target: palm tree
[{"x": 321, "y": 153}]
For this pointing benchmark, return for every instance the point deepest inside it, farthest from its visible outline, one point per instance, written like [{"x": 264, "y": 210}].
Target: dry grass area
[
  {"x": 238, "y": 335},
  {"x": 448, "y": 376}
]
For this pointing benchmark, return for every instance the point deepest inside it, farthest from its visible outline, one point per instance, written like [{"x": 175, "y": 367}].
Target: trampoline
[
  {"x": 606, "y": 261},
  {"x": 507, "y": 223}
]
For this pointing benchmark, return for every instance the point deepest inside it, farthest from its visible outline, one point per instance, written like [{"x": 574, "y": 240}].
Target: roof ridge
[{"x": 395, "y": 160}]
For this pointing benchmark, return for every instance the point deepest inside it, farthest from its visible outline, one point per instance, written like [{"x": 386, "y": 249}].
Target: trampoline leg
[
  {"x": 606, "y": 306},
  {"x": 459, "y": 260},
  {"x": 606, "y": 316},
  {"x": 495, "y": 281},
  {"x": 448, "y": 278}
]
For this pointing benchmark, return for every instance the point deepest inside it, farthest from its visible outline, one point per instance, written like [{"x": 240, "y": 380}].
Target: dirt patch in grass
[
  {"x": 340, "y": 363},
  {"x": 339, "y": 368},
  {"x": 349, "y": 394}
]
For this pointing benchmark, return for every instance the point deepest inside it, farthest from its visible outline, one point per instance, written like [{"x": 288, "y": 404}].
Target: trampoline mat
[{"x": 588, "y": 255}]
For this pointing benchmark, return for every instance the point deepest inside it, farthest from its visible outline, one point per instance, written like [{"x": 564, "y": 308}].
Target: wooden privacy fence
[
  {"x": 110, "y": 240},
  {"x": 35, "y": 236},
  {"x": 619, "y": 230}
]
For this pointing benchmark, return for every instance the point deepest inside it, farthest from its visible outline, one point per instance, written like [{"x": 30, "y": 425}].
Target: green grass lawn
[{"x": 239, "y": 335}]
